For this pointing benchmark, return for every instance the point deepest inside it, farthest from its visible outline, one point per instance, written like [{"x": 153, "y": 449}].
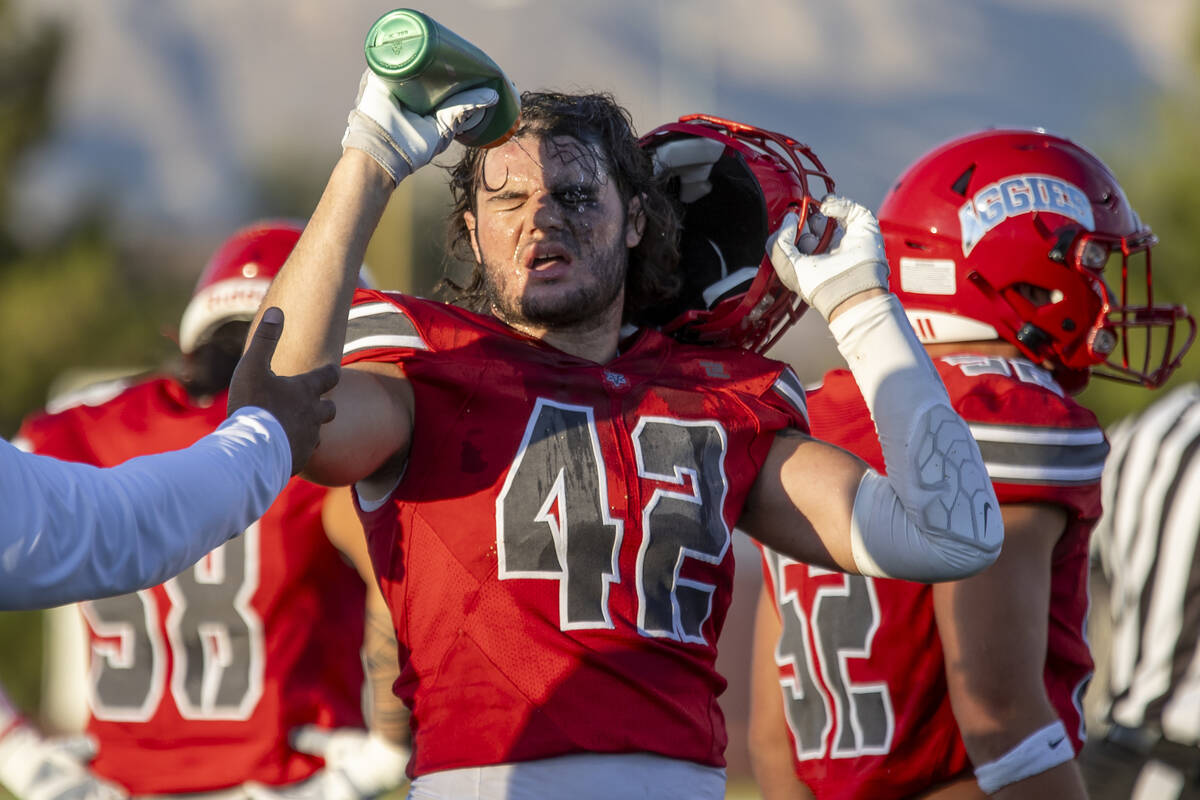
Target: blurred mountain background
[
  {"x": 160, "y": 127},
  {"x": 137, "y": 134}
]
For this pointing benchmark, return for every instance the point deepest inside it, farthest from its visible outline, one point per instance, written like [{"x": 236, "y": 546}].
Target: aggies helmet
[
  {"x": 1027, "y": 237},
  {"x": 236, "y": 278},
  {"x": 735, "y": 183}
]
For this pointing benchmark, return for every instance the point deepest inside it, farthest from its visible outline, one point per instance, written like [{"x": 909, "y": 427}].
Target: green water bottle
[{"x": 424, "y": 62}]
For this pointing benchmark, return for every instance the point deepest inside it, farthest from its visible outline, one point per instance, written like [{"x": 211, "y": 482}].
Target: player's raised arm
[
  {"x": 384, "y": 142},
  {"x": 934, "y": 516}
]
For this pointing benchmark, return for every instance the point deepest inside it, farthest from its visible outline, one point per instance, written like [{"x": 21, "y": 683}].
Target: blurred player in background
[
  {"x": 1006, "y": 249},
  {"x": 234, "y": 677},
  {"x": 74, "y": 531},
  {"x": 1146, "y": 546}
]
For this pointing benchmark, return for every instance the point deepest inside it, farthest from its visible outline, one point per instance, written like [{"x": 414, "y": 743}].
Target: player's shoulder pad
[
  {"x": 1027, "y": 428},
  {"x": 69, "y": 413},
  {"x": 381, "y": 320},
  {"x": 741, "y": 370},
  {"x": 95, "y": 393}
]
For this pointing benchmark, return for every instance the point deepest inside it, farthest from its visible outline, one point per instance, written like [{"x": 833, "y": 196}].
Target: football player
[
  {"x": 74, "y": 532},
  {"x": 235, "y": 677},
  {"x": 549, "y": 487},
  {"x": 1024, "y": 271}
]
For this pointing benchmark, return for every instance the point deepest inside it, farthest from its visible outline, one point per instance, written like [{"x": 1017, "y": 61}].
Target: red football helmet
[
  {"x": 1027, "y": 237},
  {"x": 236, "y": 278},
  {"x": 735, "y": 183}
]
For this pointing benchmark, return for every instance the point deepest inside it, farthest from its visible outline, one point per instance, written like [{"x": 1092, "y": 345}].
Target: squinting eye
[
  {"x": 1094, "y": 255},
  {"x": 576, "y": 196}
]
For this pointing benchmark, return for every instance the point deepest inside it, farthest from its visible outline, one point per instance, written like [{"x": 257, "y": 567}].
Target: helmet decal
[
  {"x": 1021, "y": 194},
  {"x": 928, "y": 275}
]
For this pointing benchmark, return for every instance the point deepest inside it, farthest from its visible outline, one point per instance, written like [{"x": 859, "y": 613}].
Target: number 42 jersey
[
  {"x": 860, "y": 662},
  {"x": 557, "y": 555}
]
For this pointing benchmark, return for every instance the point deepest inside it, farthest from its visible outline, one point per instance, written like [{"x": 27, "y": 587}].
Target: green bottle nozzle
[{"x": 424, "y": 62}]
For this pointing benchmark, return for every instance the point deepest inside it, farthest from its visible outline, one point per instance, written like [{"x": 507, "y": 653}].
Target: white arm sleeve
[
  {"x": 935, "y": 516},
  {"x": 74, "y": 531}
]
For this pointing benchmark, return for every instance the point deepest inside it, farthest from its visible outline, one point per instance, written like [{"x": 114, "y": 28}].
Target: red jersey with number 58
[
  {"x": 860, "y": 662},
  {"x": 194, "y": 684},
  {"x": 557, "y": 555}
]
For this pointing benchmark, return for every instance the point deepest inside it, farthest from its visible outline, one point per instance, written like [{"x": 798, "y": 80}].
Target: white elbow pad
[{"x": 958, "y": 532}]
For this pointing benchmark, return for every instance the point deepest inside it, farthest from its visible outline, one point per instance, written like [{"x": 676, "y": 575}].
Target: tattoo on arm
[{"x": 388, "y": 714}]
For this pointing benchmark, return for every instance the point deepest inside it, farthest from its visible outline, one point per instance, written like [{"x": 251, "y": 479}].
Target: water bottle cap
[{"x": 398, "y": 42}]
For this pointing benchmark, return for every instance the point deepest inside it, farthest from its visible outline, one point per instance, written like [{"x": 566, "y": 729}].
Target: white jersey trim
[
  {"x": 1055, "y": 436},
  {"x": 384, "y": 340},
  {"x": 791, "y": 389}
]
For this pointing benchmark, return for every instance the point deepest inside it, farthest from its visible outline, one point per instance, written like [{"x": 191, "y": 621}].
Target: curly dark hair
[{"x": 595, "y": 119}]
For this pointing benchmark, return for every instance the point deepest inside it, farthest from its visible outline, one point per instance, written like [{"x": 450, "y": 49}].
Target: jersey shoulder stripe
[
  {"x": 1054, "y": 456},
  {"x": 788, "y": 387},
  {"x": 374, "y": 325}
]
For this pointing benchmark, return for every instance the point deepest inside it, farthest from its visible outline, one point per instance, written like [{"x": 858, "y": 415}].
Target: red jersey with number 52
[
  {"x": 557, "y": 555},
  {"x": 860, "y": 661},
  {"x": 194, "y": 684}
]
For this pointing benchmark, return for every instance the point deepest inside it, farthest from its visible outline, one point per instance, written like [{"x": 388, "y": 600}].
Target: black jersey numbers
[
  {"x": 554, "y": 520},
  {"x": 679, "y": 525},
  {"x": 213, "y": 634},
  {"x": 818, "y": 645},
  {"x": 216, "y": 636},
  {"x": 128, "y": 661}
]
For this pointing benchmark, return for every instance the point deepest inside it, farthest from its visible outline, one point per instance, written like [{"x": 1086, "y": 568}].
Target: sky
[{"x": 166, "y": 108}]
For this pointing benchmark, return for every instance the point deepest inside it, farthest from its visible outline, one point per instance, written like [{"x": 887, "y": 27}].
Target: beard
[{"x": 584, "y": 303}]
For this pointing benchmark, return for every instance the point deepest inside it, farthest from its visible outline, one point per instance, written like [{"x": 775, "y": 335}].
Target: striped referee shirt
[{"x": 1146, "y": 544}]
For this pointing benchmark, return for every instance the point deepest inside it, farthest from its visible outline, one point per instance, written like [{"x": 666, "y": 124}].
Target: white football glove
[
  {"x": 37, "y": 768},
  {"x": 401, "y": 140},
  {"x": 358, "y": 765},
  {"x": 854, "y": 262}
]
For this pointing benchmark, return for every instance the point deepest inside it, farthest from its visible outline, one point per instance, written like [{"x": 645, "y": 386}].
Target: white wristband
[{"x": 1040, "y": 751}]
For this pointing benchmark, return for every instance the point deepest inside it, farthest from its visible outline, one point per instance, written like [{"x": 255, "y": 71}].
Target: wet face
[{"x": 551, "y": 234}]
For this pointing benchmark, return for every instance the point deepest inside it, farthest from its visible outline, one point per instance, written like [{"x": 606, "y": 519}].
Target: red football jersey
[
  {"x": 557, "y": 555},
  {"x": 194, "y": 684},
  {"x": 860, "y": 661}
]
